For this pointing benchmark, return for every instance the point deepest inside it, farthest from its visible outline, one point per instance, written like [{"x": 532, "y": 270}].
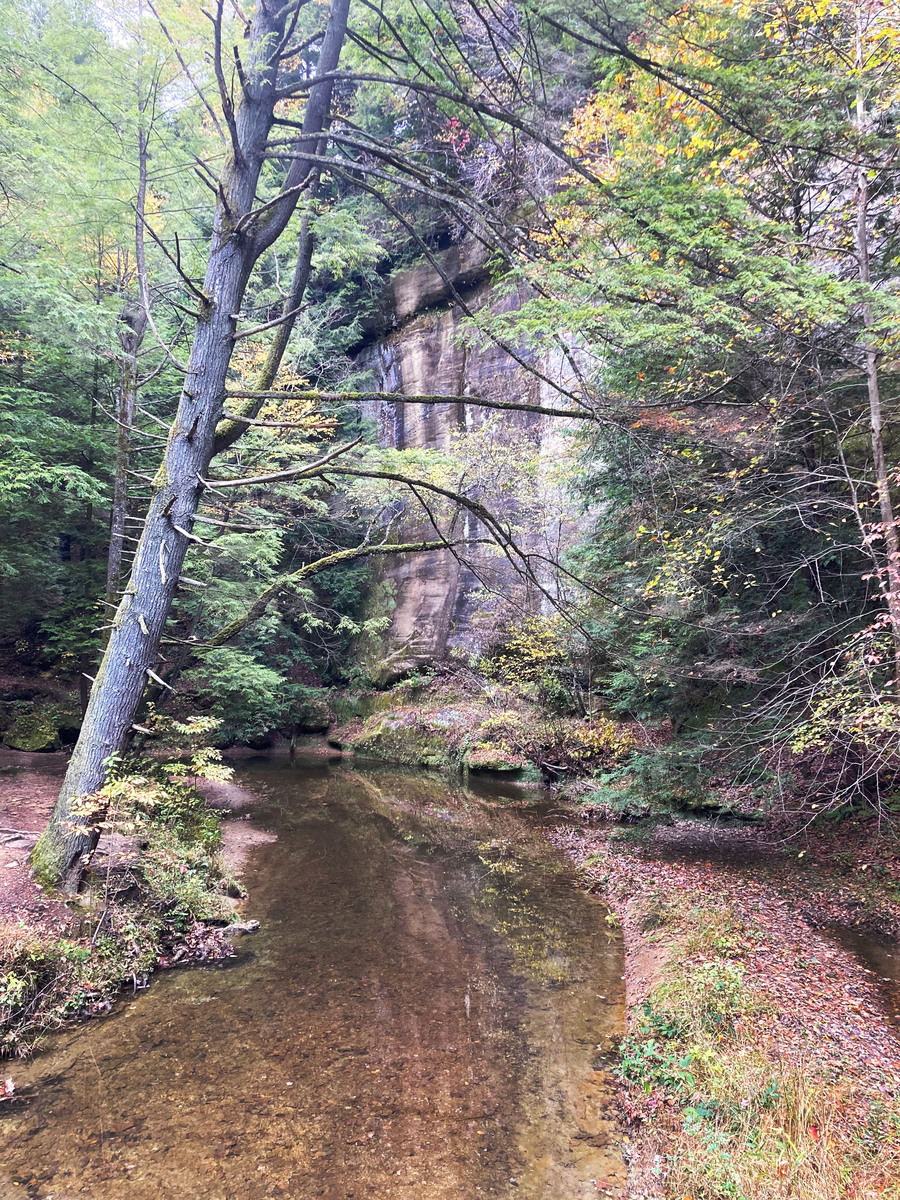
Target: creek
[{"x": 424, "y": 1012}]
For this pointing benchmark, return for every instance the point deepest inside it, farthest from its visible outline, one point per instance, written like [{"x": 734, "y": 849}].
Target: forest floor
[
  {"x": 762, "y": 1057},
  {"x": 29, "y": 785}
]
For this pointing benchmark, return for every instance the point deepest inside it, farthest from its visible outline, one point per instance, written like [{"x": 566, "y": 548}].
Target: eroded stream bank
[{"x": 423, "y": 1013}]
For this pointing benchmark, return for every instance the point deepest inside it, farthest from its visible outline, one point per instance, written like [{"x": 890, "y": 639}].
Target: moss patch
[
  {"x": 406, "y": 737},
  {"x": 312, "y": 713},
  {"x": 431, "y": 722},
  {"x": 35, "y": 732}
]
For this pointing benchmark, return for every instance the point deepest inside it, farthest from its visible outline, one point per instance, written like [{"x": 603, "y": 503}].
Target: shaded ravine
[{"x": 422, "y": 1014}]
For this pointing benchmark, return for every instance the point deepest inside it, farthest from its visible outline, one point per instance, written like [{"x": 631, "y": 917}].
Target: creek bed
[{"x": 423, "y": 1013}]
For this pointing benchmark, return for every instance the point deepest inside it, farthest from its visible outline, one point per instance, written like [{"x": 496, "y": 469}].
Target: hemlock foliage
[{"x": 695, "y": 209}]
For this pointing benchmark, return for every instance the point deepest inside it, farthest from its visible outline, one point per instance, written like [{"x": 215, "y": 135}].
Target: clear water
[{"x": 423, "y": 1013}]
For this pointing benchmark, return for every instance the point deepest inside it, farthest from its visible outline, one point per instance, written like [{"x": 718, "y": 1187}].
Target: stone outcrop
[
  {"x": 445, "y": 737},
  {"x": 434, "y": 601},
  {"x": 34, "y": 732}
]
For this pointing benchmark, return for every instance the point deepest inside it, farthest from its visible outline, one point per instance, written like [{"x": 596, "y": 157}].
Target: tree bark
[
  {"x": 230, "y": 430},
  {"x": 873, "y": 388},
  {"x": 135, "y": 323},
  {"x": 239, "y": 236}
]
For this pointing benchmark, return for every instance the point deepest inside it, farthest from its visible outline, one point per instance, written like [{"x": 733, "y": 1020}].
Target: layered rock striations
[{"x": 436, "y": 602}]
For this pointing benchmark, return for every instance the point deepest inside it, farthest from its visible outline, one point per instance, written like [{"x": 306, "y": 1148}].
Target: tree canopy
[{"x": 689, "y": 222}]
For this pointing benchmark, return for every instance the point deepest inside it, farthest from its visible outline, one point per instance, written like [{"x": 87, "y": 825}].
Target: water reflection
[{"x": 421, "y": 1015}]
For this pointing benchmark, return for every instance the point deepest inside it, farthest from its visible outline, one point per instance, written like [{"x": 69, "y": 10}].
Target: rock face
[
  {"x": 434, "y": 601},
  {"x": 446, "y": 737},
  {"x": 312, "y": 713}
]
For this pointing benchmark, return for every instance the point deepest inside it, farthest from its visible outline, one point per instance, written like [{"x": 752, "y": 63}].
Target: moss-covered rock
[
  {"x": 35, "y": 732},
  {"x": 312, "y": 713},
  {"x": 408, "y": 736},
  {"x": 439, "y": 738},
  {"x": 400, "y": 739},
  {"x": 360, "y": 704},
  {"x": 68, "y": 726},
  {"x": 491, "y": 758}
]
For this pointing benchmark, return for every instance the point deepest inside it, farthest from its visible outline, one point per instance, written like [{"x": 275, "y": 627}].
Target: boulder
[
  {"x": 68, "y": 726},
  {"x": 397, "y": 737},
  {"x": 312, "y": 713},
  {"x": 34, "y": 732},
  {"x": 492, "y": 759}
]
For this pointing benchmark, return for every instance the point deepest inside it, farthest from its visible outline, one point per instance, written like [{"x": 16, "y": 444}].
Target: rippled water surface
[{"x": 423, "y": 1014}]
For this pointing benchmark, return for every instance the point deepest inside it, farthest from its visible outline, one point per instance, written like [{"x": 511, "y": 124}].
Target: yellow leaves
[
  {"x": 303, "y": 412},
  {"x": 14, "y": 348},
  {"x": 600, "y": 738},
  {"x": 531, "y": 649}
]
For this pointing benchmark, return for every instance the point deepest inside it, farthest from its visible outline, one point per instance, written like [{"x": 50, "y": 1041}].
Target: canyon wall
[{"x": 436, "y": 602}]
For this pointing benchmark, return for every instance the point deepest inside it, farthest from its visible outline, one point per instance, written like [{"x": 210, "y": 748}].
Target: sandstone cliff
[{"x": 436, "y": 602}]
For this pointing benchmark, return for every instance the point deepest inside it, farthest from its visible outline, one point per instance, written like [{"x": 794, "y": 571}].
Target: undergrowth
[
  {"x": 159, "y": 891},
  {"x": 740, "y": 1120}
]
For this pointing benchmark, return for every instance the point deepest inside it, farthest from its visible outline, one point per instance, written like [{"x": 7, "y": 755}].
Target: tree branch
[
  {"x": 278, "y": 476},
  {"x": 206, "y": 104},
  {"x": 397, "y": 398},
  {"x": 288, "y": 316}
]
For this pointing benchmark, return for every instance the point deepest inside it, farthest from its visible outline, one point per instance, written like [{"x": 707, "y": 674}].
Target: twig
[
  {"x": 267, "y": 325},
  {"x": 175, "y": 260},
  {"x": 227, "y": 105},
  {"x": 206, "y": 104}
]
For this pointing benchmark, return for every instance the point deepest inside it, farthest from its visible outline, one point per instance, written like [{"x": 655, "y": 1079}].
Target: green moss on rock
[
  {"x": 484, "y": 757},
  {"x": 312, "y": 713},
  {"x": 33, "y": 732},
  {"x": 401, "y": 740}
]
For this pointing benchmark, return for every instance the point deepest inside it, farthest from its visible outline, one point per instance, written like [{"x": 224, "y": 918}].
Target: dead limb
[
  {"x": 278, "y": 476},
  {"x": 583, "y": 414}
]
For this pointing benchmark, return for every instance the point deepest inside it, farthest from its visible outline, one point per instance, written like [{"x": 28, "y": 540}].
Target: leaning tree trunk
[{"x": 239, "y": 237}]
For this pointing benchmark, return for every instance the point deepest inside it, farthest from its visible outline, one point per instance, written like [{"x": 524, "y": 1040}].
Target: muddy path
[{"x": 424, "y": 1012}]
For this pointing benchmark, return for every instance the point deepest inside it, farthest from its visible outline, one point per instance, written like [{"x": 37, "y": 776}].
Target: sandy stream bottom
[{"x": 424, "y": 1013}]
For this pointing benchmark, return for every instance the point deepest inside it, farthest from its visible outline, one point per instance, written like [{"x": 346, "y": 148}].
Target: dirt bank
[
  {"x": 762, "y": 1057},
  {"x": 29, "y": 784},
  {"x": 62, "y": 960}
]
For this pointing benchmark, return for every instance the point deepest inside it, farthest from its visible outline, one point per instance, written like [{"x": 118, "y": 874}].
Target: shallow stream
[{"x": 423, "y": 1013}]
